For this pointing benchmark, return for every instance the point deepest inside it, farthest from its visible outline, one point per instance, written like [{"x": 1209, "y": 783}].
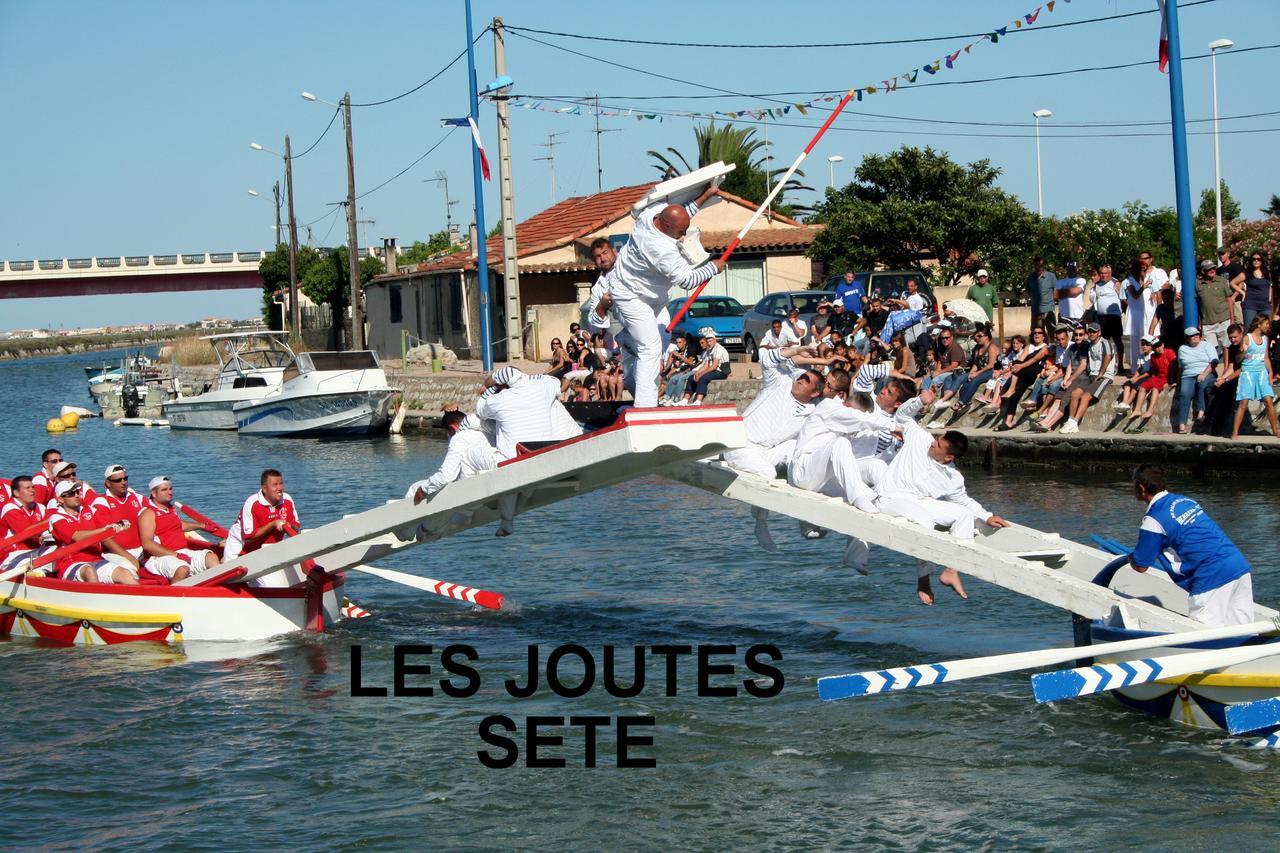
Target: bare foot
[
  {"x": 924, "y": 589},
  {"x": 950, "y": 577}
]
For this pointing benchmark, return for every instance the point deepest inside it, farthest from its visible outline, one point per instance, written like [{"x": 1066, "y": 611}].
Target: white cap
[
  {"x": 157, "y": 482},
  {"x": 62, "y": 466},
  {"x": 1190, "y": 330},
  {"x": 981, "y": 273},
  {"x": 64, "y": 487},
  {"x": 112, "y": 470},
  {"x": 706, "y": 332}
]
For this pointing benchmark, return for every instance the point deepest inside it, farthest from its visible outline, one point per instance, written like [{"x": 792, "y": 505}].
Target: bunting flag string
[{"x": 886, "y": 86}]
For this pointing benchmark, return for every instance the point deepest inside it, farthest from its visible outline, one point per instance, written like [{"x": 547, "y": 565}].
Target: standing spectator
[
  {"x": 851, "y": 294},
  {"x": 1142, "y": 288},
  {"x": 1222, "y": 403},
  {"x": 1069, "y": 291},
  {"x": 1167, "y": 324},
  {"x": 1196, "y": 359},
  {"x": 1257, "y": 289},
  {"x": 713, "y": 366},
  {"x": 1108, "y": 308},
  {"x": 1256, "y": 376},
  {"x": 1232, "y": 273},
  {"x": 1040, "y": 286},
  {"x": 794, "y": 329},
  {"x": 1216, "y": 307},
  {"x": 983, "y": 292}
]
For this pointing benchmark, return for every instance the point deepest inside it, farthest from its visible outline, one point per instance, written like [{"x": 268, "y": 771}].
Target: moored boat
[
  {"x": 250, "y": 366},
  {"x": 323, "y": 393}
]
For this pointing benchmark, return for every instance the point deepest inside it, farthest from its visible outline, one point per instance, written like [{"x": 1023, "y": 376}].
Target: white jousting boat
[
  {"x": 323, "y": 393},
  {"x": 250, "y": 366}
]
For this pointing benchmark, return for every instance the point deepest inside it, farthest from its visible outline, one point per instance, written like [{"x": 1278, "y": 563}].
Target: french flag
[
  {"x": 475, "y": 135},
  {"x": 1164, "y": 36}
]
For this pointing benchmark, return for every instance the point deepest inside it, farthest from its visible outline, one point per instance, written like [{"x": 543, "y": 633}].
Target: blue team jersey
[
  {"x": 851, "y": 294},
  {"x": 1208, "y": 558}
]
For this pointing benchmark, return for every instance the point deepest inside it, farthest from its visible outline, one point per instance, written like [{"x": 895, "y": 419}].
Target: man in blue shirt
[
  {"x": 1207, "y": 563},
  {"x": 851, "y": 293}
]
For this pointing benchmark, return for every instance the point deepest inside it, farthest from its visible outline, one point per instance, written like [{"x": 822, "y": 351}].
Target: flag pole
[
  {"x": 482, "y": 247},
  {"x": 1181, "y": 181},
  {"x": 765, "y": 204}
]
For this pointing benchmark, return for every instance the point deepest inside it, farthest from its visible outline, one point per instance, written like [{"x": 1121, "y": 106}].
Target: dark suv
[{"x": 775, "y": 307}]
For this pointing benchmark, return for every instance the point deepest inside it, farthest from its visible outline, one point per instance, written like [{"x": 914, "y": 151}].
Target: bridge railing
[{"x": 133, "y": 262}]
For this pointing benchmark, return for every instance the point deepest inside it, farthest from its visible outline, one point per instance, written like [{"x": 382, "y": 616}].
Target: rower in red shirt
[
  {"x": 65, "y": 471},
  {"x": 119, "y": 504},
  {"x": 264, "y": 519},
  {"x": 43, "y": 479},
  {"x": 163, "y": 536},
  {"x": 70, "y": 523},
  {"x": 18, "y": 514},
  {"x": 6, "y": 491}
]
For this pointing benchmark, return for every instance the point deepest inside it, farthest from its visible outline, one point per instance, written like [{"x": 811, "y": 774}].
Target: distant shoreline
[{"x": 16, "y": 350}]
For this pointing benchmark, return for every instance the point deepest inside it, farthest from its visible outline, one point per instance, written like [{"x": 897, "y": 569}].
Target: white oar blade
[
  {"x": 1253, "y": 716},
  {"x": 1085, "y": 680}
]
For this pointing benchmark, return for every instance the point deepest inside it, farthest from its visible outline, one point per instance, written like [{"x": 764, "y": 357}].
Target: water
[{"x": 140, "y": 747}]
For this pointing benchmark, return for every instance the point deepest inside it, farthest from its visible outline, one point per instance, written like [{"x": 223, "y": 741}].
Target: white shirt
[
  {"x": 777, "y": 370},
  {"x": 775, "y": 416},
  {"x": 772, "y": 341},
  {"x": 1106, "y": 298},
  {"x": 915, "y": 301},
  {"x": 1071, "y": 306},
  {"x": 831, "y": 419},
  {"x": 522, "y": 412},
  {"x": 469, "y": 453},
  {"x": 651, "y": 263},
  {"x": 715, "y": 356},
  {"x": 793, "y": 334},
  {"x": 914, "y": 474}
]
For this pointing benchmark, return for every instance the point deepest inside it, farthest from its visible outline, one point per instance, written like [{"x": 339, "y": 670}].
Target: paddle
[
  {"x": 1085, "y": 680},
  {"x": 23, "y": 534},
  {"x": 923, "y": 675},
  {"x": 1104, "y": 577},
  {"x": 484, "y": 598},
  {"x": 209, "y": 524},
  {"x": 74, "y": 547},
  {"x": 1252, "y": 716}
]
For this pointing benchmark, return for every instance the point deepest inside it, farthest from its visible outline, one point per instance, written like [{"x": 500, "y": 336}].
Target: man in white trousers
[
  {"x": 923, "y": 485},
  {"x": 640, "y": 285}
]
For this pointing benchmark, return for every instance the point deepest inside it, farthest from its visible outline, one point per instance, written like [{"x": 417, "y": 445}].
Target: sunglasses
[
  {"x": 118, "y": 480},
  {"x": 67, "y": 475},
  {"x": 1256, "y": 258}
]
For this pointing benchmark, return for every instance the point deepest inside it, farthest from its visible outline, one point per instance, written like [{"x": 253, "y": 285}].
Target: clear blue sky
[{"x": 127, "y": 125}]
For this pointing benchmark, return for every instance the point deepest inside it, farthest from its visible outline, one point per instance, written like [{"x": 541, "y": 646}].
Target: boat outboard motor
[{"x": 130, "y": 400}]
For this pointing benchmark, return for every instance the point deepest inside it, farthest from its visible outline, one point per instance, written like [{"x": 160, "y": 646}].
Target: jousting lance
[
  {"x": 768, "y": 201},
  {"x": 210, "y": 525},
  {"x": 23, "y": 534}
]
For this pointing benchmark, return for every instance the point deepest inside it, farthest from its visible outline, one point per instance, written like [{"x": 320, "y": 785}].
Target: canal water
[{"x": 144, "y": 747}]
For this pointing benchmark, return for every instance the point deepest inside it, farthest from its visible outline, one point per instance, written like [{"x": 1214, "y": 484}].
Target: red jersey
[
  {"x": 15, "y": 518},
  {"x": 257, "y": 512},
  {"x": 108, "y": 509},
  {"x": 87, "y": 497},
  {"x": 44, "y": 487},
  {"x": 63, "y": 526},
  {"x": 6, "y": 491},
  {"x": 168, "y": 526}
]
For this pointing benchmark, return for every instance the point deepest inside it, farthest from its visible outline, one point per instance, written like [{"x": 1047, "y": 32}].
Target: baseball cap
[
  {"x": 706, "y": 332},
  {"x": 62, "y": 466},
  {"x": 1071, "y": 265},
  {"x": 1093, "y": 327},
  {"x": 980, "y": 274},
  {"x": 112, "y": 470},
  {"x": 1208, "y": 265},
  {"x": 1222, "y": 250},
  {"x": 64, "y": 487},
  {"x": 1190, "y": 330},
  {"x": 157, "y": 482},
  {"x": 1150, "y": 340}
]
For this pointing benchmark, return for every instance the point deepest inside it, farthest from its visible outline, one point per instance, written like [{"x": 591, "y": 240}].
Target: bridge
[{"x": 130, "y": 274}]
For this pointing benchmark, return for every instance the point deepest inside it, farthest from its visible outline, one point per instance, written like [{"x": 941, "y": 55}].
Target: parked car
[
  {"x": 888, "y": 284},
  {"x": 722, "y": 313},
  {"x": 775, "y": 307}
]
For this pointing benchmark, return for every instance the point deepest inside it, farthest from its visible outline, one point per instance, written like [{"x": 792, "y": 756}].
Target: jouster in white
[
  {"x": 524, "y": 408},
  {"x": 470, "y": 452}
]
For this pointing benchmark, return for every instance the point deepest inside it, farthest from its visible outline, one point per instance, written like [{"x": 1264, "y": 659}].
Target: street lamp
[
  {"x": 295, "y": 309},
  {"x": 1214, "y": 47},
  {"x": 1039, "y": 114},
  {"x": 353, "y": 261},
  {"x": 831, "y": 162},
  {"x": 275, "y": 189}
]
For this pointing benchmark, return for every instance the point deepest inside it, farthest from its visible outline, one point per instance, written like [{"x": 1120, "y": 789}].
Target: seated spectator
[
  {"x": 576, "y": 393},
  {"x": 713, "y": 366},
  {"x": 1149, "y": 390},
  {"x": 982, "y": 365},
  {"x": 1196, "y": 359},
  {"x": 774, "y": 338},
  {"x": 677, "y": 367},
  {"x": 1099, "y": 371},
  {"x": 821, "y": 323},
  {"x": 947, "y": 372},
  {"x": 1141, "y": 372},
  {"x": 1023, "y": 375},
  {"x": 842, "y": 321},
  {"x": 580, "y": 363},
  {"x": 579, "y": 334},
  {"x": 876, "y": 316},
  {"x": 794, "y": 329},
  {"x": 560, "y": 361}
]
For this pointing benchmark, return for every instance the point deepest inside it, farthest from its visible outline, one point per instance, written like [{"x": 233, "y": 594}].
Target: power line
[
  {"x": 433, "y": 77},
  {"x": 332, "y": 118},
  {"x": 410, "y": 166},
  {"x": 1040, "y": 28}
]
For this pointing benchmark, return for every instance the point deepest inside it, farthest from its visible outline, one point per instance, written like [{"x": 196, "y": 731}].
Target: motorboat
[
  {"x": 323, "y": 393},
  {"x": 136, "y": 391},
  {"x": 250, "y": 366}
]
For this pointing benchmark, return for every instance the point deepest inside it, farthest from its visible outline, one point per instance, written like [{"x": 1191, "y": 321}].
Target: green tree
[
  {"x": 915, "y": 204},
  {"x": 751, "y": 178},
  {"x": 1273, "y": 207},
  {"x": 1207, "y": 211},
  {"x": 274, "y": 271},
  {"x": 437, "y": 244},
  {"x": 327, "y": 281}
]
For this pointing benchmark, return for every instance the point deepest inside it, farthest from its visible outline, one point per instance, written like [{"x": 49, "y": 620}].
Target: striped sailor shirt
[
  {"x": 523, "y": 412},
  {"x": 651, "y": 263}
]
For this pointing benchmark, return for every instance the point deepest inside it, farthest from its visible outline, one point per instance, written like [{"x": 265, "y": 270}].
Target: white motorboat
[
  {"x": 250, "y": 366},
  {"x": 323, "y": 393}
]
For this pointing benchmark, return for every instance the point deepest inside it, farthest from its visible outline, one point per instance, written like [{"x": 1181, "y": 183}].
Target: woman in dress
[
  {"x": 1257, "y": 289},
  {"x": 1256, "y": 375}
]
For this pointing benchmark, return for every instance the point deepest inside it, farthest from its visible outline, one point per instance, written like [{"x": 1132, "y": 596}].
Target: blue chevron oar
[
  {"x": 1082, "y": 681},
  {"x": 1253, "y": 716},
  {"x": 922, "y": 675}
]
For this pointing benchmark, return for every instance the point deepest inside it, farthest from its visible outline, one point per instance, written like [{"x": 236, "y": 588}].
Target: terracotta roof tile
[{"x": 763, "y": 239}]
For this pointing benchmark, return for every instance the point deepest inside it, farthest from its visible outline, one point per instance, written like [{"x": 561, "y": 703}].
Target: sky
[{"x": 127, "y": 125}]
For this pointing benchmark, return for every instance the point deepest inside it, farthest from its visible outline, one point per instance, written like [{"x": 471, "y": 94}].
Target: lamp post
[
  {"x": 1039, "y": 114},
  {"x": 277, "y": 227},
  {"x": 1214, "y": 47},
  {"x": 295, "y": 309},
  {"x": 831, "y": 163},
  {"x": 353, "y": 249}
]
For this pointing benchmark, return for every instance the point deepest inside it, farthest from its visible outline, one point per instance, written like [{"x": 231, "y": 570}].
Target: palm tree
[
  {"x": 1272, "y": 209},
  {"x": 752, "y": 178}
]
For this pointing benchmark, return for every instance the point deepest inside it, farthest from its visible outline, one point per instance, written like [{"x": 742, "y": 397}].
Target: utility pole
[
  {"x": 357, "y": 316},
  {"x": 295, "y": 310},
  {"x": 506, "y": 190},
  {"x": 275, "y": 190},
  {"x": 478, "y": 244},
  {"x": 550, "y": 145},
  {"x": 598, "y": 131}
]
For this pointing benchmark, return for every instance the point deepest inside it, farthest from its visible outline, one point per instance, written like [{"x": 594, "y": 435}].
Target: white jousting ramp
[{"x": 641, "y": 442}]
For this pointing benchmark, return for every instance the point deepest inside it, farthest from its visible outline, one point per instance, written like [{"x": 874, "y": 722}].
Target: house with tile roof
[{"x": 439, "y": 301}]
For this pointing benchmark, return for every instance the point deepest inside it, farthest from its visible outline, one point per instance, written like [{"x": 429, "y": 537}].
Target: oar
[
  {"x": 23, "y": 534},
  {"x": 209, "y": 524},
  {"x": 1252, "y": 716},
  {"x": 923, "y": 675},
  {"x": 1084, "y": 680},
  {"x": 74, "y": 547},
  {"x": 484, "y": 598}
]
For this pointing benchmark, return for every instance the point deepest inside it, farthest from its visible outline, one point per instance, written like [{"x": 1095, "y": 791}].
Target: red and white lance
[{"x": 768, "y": 201}]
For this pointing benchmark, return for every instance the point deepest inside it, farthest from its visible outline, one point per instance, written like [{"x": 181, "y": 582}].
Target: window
[
  {"x": 397, "y": 312},
  {"x": 741, "y": 280}
]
